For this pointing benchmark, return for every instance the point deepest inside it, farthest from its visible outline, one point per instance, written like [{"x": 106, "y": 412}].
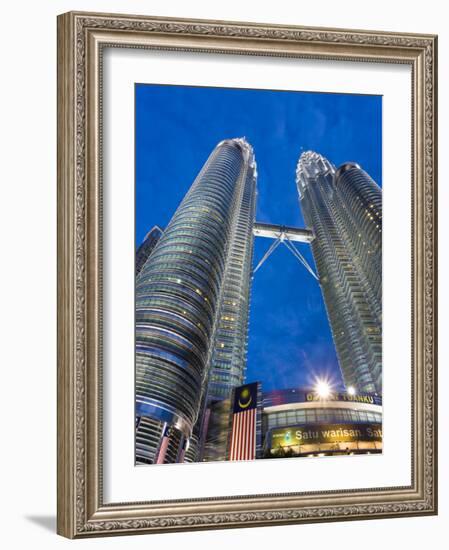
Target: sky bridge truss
[{"x": 282, "y": 234}]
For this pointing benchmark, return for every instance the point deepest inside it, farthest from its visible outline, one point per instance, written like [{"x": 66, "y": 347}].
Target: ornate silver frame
[{"x": 81, "y": 38}]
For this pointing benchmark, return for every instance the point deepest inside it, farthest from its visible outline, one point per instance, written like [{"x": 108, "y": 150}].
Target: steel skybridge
[{"x": 286, "y": 235}]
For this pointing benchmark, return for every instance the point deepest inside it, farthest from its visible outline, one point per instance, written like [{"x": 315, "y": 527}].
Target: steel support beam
[
  {"x": 285, "y": 235},
  {"x": 271, "y": 231}
]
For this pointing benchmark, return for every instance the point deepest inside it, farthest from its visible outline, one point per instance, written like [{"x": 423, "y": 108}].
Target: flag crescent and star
[{"x": 243, "y": 435}]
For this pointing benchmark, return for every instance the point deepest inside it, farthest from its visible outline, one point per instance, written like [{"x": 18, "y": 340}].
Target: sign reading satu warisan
[{"x": 325, "y": 433}]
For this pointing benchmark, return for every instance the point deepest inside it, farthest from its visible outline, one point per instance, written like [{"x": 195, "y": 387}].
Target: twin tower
[{"x": 193, "y": 288}]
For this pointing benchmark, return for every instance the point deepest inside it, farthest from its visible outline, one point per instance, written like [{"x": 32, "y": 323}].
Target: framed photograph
[{"x": 246, "y": 274}]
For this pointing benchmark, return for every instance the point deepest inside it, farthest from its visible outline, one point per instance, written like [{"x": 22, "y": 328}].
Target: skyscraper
[
  {"x": 146, "y": 247},
  {"x": 192, "y": 298},
  {"x": 343, "y": 208},
  {"x": 228, "y": 361}
]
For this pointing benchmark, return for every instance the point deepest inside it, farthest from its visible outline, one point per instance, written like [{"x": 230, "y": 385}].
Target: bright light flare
[
  {"x": 351, "y": 390},
  {"x": 323, "y": 388}
]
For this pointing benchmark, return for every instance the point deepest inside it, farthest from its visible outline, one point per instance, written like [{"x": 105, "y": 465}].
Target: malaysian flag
[{"x": 243, "y": 434}]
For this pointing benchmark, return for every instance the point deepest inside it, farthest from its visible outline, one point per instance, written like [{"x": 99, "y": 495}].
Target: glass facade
[
  {"x": 228, "y": 361},
  {"x": 192, "y": 298},
  {"x": 146, "y": 247},
  {"x": 316, "y": 415},
  {"x": 343, "y": 208}
]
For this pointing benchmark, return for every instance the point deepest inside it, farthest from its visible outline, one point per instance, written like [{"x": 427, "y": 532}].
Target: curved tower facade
[
  {"x": 343, "y": 208},
  {"x": 146, "y": 247},
  {"x": 180, "y": 301},
  {"x": 228, "y": 360},
  {"x": 359, "y": 200}
]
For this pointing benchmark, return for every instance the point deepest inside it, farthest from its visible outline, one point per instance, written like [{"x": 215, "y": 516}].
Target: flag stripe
[
  {"x": 243, "y": 436},
  {"x": 235, "y": 437},
  {"x": 247, "y": 435},
  {"x": 249, "y": 447},
  {"x": 231, "y": 453},
  {"x": 238, "y": 433}
]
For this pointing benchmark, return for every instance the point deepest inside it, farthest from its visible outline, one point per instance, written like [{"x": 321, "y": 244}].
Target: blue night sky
[{"x": 177, "y": 127}]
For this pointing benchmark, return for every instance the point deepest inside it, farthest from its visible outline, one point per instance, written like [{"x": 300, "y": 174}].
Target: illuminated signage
[
  {"x": 325, "y": 433},
  {"x": 370, "y": 399},
  {"x": 283, "y": 397}
]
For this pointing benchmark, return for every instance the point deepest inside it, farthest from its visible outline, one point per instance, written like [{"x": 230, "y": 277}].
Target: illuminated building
[
  {"x": 299, "y": 422},
  {"x": 192, "y": 299},
  {"x": 343, "y": 208},
  {"x": 228, "y": 362},
  {"x": 192, "y": 305}
]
